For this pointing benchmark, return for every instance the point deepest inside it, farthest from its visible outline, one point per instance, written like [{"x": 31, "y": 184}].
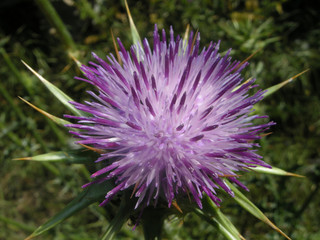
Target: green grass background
[{"x": 287, "y": 34}]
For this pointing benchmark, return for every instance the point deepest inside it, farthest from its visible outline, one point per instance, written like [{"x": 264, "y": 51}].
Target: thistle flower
[{"x": 172, "y": 120}]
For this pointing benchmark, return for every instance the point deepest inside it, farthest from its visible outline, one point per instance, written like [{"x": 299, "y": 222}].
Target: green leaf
[
  {"x": 61, "y": 96},
  {"x": 244, "y": 202},
  {"x": 220, "y": 227},
  {"x": 276, "y": 87},
  {"x": 79, "y": 156},
  {"x": 274, "y": 170},
  {"x": 210, "y": 208},
  {"x": 91, "y": 194},
  {"x": 134, "y": 32},
  {"x": 124, "y": 211}
]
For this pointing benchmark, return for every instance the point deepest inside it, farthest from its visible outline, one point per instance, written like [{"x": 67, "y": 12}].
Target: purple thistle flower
[{"x": 172, "y": 120}]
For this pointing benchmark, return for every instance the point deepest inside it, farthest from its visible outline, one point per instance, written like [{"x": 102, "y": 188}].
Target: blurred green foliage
[{"x": 286, "y": 33}]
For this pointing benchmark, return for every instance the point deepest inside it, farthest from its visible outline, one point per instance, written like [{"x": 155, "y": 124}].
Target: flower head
[{"x": 172, "y": 120}]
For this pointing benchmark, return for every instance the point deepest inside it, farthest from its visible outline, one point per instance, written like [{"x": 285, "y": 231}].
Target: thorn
[
  {"x": 289, "y": 174},
  {"x": 271, "y": 224},
  {"x": 294, "y": 77},
  {"x": 28, "y": 238},
  {"x": 266, "y": 134},
  {"x": 229, "y": 175},
  {"x": 175, "y": 204},
  {"x": 66, "y": 68},
  {"x": 34, "y": 72},
  {"x": 241, "y": 237},
  {"x": 276, "y": 87},
  {"x": 194, "y": 41},
  {"x": 132, "y": 25},
  {"x": 116, "y": 48},
  {"x": 24, "y": 158},
  {"x": 92, "y": 148},
  {"x": 38, "y": 109},
  {"x": 297, "y": 75},
  {"x": 188, "y": 196},
  {"x": 134, "y": 189},
  {"x": 247, "y": 59},
  {"x": 294, "y": 175},
  {"x": 79, "y": 64}
]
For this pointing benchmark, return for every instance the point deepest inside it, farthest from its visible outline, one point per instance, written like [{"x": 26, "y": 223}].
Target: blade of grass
[
  {"x": 9, "y": 99},
  {"x": 8, "y": 131},
  {"x": 53, "y": 17},
  {"x": 19, "y": 225},
  {"x": 16, "y": 72}
]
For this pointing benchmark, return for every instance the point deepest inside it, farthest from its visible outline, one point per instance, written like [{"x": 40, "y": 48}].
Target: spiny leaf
[
  {"x": 134, "y": 32},
  {"x": 90, "y": 195},
  {"x": 212, "y": 221},
  {"x": 123, "y": 213},
  {"x": 210, "y": 208},
  {"x": 253, "y": 209},
  {"x": 63, "y": 156},
  {"x": 275, "y": 171},
  {"x": 57, "y": 120},
  {"x": 61, "y": 96},
  {"x": 276, "y": 87}
]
